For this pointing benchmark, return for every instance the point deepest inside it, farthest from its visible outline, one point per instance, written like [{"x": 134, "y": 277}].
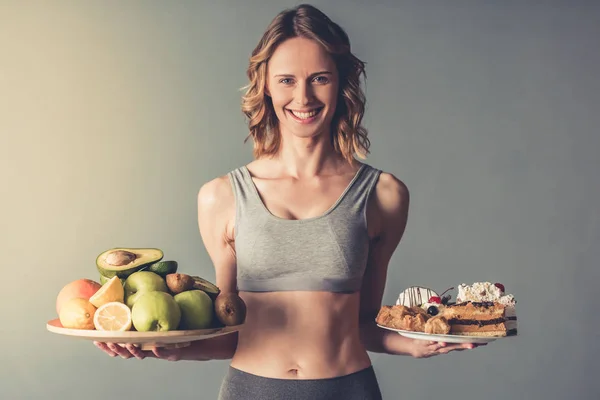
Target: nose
[{"x": 303, "y": 94}]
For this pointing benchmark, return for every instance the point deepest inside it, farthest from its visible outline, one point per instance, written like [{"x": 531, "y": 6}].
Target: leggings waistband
[{"x": 359, "y": 385}]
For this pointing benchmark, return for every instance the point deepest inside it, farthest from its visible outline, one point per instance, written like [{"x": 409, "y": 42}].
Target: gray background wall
[{"x": 112, "y": 114}]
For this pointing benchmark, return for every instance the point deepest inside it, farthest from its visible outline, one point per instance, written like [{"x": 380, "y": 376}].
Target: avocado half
[
  {"x": 210, "y": 288},
  {"x": 123, "y": 262}
]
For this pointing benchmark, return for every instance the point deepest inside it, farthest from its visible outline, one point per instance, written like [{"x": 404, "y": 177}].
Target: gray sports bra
[{"x": 324, "y": 253}]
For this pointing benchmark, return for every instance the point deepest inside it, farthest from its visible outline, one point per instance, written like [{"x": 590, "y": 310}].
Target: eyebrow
[{"x": 311, "y": 75}]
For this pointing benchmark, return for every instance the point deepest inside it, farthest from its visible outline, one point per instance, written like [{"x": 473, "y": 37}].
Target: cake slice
[
  {"x": 487, "y": 294},
  {"x": 477, "y": 319}
]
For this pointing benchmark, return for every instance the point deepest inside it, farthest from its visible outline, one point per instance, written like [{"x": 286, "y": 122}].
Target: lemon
[
  {"x": 109, "y": 292},
  {"x": 113, "y": 316},
  {"x": 77, "y": 313}
]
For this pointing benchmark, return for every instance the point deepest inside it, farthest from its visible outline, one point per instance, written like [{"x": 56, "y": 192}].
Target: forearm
[
  {"x": 218, "y": 348},
  {"x": 378, "y": 340}
]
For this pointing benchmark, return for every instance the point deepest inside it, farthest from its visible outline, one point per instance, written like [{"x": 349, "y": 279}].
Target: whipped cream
[
  {"x": 415, "y": 296},
  {"x": 484, "y": 292}
]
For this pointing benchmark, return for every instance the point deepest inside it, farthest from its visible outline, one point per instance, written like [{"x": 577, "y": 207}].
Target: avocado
[
  {"x": 202, "y": 284},
  {"x": 163, "y": 268},
  {"x": 125, "y": 261}
]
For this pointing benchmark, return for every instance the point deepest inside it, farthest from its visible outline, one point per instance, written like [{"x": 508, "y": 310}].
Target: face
[{"x": 302, "y": 82}]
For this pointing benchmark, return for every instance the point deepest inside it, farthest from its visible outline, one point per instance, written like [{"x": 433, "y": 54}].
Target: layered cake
[{"x": 481, "y": 309}]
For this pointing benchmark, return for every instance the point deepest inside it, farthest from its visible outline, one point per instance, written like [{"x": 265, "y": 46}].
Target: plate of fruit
[{"x": 142, "y": 299}]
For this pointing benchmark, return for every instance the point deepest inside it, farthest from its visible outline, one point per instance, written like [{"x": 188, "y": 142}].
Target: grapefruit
[{"x": 81, "y": 288}]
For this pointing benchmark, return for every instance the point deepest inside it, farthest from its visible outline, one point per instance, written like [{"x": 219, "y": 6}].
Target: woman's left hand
[{"x": 426, "y": 348}]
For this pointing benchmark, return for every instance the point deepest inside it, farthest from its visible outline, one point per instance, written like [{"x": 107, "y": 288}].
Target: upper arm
[
  {"x": 387, "y": 215},
  {"x": 216, "y": 216}
]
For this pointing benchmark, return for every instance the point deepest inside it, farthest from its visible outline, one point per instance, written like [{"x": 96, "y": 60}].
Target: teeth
[{"x": 304, "y": 115}]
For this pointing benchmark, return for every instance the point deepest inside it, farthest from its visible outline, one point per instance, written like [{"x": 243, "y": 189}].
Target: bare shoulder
[
  {"x": 216, "y": 207},
  {"x": 388, "y": 207},
  {"x": 215, "y": 195},
  {"x": 392, "y": 194}
]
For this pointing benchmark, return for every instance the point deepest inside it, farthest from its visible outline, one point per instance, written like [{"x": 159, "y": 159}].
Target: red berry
[
  {"x": 499, "y": 286},
  {"x": 435, "y": 299}
]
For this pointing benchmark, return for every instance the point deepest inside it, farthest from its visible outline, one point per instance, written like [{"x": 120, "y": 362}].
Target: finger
[
  {"x": 166, "y": 354},
  {"x": 438, "y": 346},
  {"x": 458, "y": 347},
  {"x": 104, "y": 347},
  {"x": 160, "y": 352},
  {"x": 121, "y": 351},
  {"x": 135, "y": 351}
]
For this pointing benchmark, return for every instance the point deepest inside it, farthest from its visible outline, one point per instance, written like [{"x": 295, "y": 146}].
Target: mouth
[{"x": 305, "y": 117}]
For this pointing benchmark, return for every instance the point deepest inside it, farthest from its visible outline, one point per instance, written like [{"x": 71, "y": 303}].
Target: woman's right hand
[{"x": 130, "y": 350}]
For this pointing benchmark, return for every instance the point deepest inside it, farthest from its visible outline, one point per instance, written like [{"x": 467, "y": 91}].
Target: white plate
[
  {"x": 442, "y": 338},
  {"x": 177, "y": 338}
]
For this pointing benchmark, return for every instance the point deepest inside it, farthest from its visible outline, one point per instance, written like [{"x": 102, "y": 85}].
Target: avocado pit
[{"x": 120, "y": 257}]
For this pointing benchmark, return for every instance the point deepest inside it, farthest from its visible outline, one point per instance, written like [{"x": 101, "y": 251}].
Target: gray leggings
[{"x": 240, "y": 385}]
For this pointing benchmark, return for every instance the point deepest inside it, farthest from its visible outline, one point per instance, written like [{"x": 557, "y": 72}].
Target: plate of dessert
[{"x": 482, "y": 313}]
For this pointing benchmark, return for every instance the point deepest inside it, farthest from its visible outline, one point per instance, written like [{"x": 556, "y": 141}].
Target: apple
[
  {"x": 155, "y": 311},
  {"x": 141, "y": 282},
  {"x": 196, "y": 309}
]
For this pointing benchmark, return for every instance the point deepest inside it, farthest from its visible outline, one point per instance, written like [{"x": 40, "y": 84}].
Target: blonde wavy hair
[{"x": 349, "y": 137}]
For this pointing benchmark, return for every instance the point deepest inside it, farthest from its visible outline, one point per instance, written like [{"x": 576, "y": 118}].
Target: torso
[{"x": 300, "y": 334}]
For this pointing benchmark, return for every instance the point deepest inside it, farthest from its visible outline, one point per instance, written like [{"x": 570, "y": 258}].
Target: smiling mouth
[{"x": 305, "y": 116}]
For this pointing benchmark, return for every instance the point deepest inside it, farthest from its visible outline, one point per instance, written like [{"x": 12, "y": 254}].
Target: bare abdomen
[{"x": 300, "y": 335}]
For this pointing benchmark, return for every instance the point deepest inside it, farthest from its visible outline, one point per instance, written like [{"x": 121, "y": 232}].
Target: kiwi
[
  {"x": 178, "y": 283},
  {"x": 230, "y": 309}
]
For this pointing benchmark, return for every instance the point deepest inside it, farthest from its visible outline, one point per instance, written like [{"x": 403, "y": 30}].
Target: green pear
[
  {"x": 141, "y": 282},
  {"x": 155, "y": 311},
  {"x": 196, "y": 309}
]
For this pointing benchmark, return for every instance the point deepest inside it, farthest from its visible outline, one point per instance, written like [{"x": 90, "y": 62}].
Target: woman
[{"x": 305, "y": 232}]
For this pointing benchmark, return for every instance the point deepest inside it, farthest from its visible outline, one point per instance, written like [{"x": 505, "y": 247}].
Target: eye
[
  {"x": 285, "y": 81},
  {"x": 321, "y": 79}
]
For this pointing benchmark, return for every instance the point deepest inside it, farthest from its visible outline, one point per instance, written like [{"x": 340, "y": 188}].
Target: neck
[{"x": 305, "y": 157}]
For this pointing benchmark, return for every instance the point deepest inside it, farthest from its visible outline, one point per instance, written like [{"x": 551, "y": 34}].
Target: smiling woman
[
  {"x": 304, "y": 233},
  {"x": 306, "y": 56},
  {"x": 303, "y": 101}
]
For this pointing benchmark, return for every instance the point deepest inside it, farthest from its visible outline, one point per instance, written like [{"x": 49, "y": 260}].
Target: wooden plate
[{"x": 170, "y": 339}]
